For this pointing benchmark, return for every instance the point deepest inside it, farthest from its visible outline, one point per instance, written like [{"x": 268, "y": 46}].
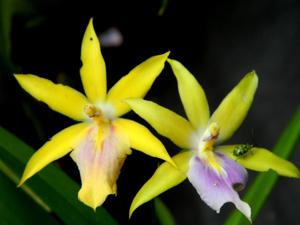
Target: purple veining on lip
[
  {"x": 236, "y": 174},
  {"x": 216, "y": 189},
  {"x": 100, "y": 165}
]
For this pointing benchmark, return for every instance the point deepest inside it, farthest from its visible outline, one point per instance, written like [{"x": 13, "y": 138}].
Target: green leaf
[
  {"x": 51, "y": 188},
  {"x": 163, "y": 7},
  {"x": 9, "y": 8},
  {"x": 163, "y": 213},
  {"x": 17, "y": 208},
  {"x": 264, "y": 182}
]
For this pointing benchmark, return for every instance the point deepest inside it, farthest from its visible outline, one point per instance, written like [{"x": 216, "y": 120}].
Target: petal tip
[
  {"x": 129, "y": 215},
  {"x": 132, "y": 210},
  {"x": 177, "y": 67},
  {"x": 19, "y": 77},
  {"x": 90, "y": 31},
  {"x": 16, "y": 75},
  {"x": 172, "y": 62},
  {"x": 175, "y": 64},
  {"x": 169, "y": 60},
  {"x": 22, "y": 181},
  {"x": 167, "y": 54},
  {"x": 90, "y": 24},
  {"x": 94, "y": 209},
  {"x": 164, "y": 56},
  {"x": 90, "y": 202},
  {"x": 253, "y": 75}
]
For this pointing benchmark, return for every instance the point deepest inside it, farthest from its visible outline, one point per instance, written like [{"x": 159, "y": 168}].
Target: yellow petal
[
  {"x": 100, "y": 157},
  {"x": 141, "y": 139},
  {"x": 137, "y": 83},
  {"x": 164, "y": 121},
  {"x": 260, "y": 159},
  {"x": 58, "y": 146},
  {"x": 192, "y": 95},
  {"x": 93, "y": 70},
  {"x": 58, "y": 97},
  {"x": 234, "y": 108},
  {"x": 165, "y": 177}
]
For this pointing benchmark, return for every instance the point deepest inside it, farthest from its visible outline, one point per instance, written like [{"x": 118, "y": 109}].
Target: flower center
[
  {"x": 102, "y": 115},
  {"x": 208, "y": 139},
  {"x": 206, "y": 146},
  {"x": 95, "y": 114}
]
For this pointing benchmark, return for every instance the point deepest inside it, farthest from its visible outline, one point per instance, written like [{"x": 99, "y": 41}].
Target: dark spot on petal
[
  {"x": 238, "y": 186},
  {"x": 91, "y": 38}
]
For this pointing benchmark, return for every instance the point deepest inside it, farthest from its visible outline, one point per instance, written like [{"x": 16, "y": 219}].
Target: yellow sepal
[
  {"x": 93, "y": 70},
  {"x": 58, "y": 146},
  {"x": 60, "y": 98},
  {"x": 164, "y": 121},
  {"x": 234, "y": 108},
  {"x": 137, "y": 83},
  {"x": 192, "y": 95},
  {"x": 141, "y": 139},
  {"x": 260, "y": 159},
  {"x": 165, "y": 177}
]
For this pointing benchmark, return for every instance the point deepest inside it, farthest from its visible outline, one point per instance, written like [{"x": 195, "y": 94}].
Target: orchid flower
[
  {"x": 216, "y": 172},
  {"x": 101, "y": 141}
]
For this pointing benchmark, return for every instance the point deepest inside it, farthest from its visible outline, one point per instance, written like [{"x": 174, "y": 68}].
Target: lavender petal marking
[
  {"x": 99, "y": 159},
  {"x": 215, "y": 188},
  {"x": 236, "y": 174}
]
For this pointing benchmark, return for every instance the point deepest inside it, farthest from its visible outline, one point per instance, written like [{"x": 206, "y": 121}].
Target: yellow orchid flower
[
  {"x": 101, "y": 141},
  {"x": 216, "y": 172}
]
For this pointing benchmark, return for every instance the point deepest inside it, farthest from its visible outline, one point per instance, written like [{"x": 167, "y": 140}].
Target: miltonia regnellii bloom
[
  {"x": 101, "y": 141},
  {"x": 217, "y": 172}
]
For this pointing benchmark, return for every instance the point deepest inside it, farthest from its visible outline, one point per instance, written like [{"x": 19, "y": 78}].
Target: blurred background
[{"x": 219, "y": 42}]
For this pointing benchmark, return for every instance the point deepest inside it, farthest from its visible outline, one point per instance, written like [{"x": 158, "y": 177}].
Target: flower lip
[{"x": 217, "y": 189}]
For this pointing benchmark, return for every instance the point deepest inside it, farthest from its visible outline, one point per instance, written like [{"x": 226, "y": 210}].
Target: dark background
[{"x": 217, "y": 41}]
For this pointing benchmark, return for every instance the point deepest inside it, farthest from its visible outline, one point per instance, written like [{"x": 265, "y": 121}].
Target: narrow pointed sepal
[
  {"x": 192, "y": 95},
  {"x": 234, "y": 107},
  {"x": 136, "y": 83},
  {"x": 60, "y": 98},
  {"x": 165, "y": 177},
  {"x": 260, "y": 159},
  {"x": 164, "y": 121},
  {"x": 58, "y": 146},
  {"x": 93, "y": 70},
  {"x": 141, "y": 139}
]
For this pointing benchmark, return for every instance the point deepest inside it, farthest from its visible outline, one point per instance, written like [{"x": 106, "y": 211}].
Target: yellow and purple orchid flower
[
  {"x": 100, "y": 142},
  {"x": 217, "y": 172}
]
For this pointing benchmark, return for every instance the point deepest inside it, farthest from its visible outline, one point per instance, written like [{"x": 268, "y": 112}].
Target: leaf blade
[
  {"x": 162, "y": 212},
  {"x": 15, "y": 202},
  {"x": 52, "y": 185}
]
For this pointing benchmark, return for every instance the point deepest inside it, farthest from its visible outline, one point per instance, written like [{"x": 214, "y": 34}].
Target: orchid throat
[{"x": 205, "y": 147}]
